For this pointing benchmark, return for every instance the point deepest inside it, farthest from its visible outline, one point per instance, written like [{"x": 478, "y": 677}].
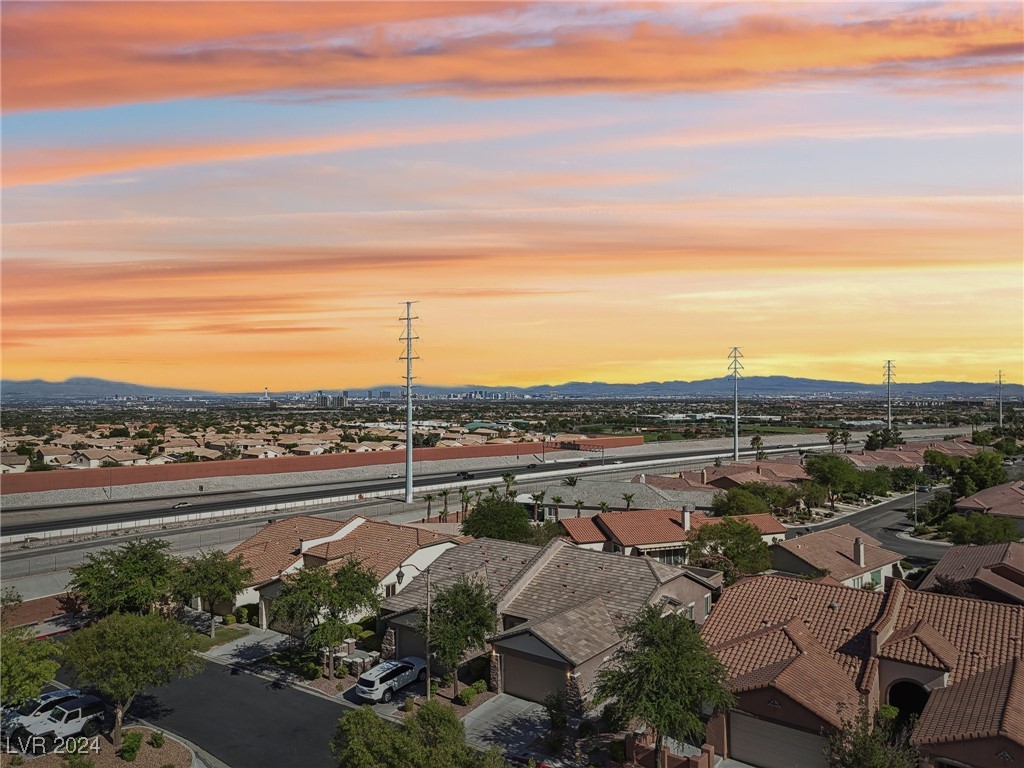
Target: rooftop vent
[{"x": 833, "y": 605}]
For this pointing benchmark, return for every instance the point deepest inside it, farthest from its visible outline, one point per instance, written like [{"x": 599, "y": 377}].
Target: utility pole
[
  {"x": 1000, "y": 403},
  {"x": 888, "y": 392},
  {"x": 735, "y": 366},
  {"x": 408, "y": 339}
]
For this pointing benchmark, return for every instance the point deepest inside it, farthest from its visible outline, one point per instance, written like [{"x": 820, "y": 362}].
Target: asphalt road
[
  {"x": 243, "y": 720},
  {"x": 24, "y": 521}
]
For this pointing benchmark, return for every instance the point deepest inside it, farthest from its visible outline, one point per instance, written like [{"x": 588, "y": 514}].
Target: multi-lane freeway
[{"x": 31, "y": 520}]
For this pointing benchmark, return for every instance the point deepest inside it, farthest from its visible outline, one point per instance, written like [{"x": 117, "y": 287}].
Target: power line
[
  {"x": 735, "y": 367},
  {"x": 408, "y": 357}
]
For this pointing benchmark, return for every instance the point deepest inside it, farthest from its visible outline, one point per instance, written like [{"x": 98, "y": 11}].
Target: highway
[{"x": 22, "y": 521}]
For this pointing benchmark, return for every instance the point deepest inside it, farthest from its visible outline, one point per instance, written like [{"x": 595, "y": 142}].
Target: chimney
[
  {"x": 643, "y": 477},
  {"x": 858, "y": 551},
  {"x": 686, "y": 518},
  {"x": 703, "y": 476}
]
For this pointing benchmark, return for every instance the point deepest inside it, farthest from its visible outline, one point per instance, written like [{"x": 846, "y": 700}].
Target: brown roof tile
[
  {"x": 579, "y": 634},
  {"x": 920, "y": 644},
  {"x": 832, "y": 550},
  {"x": 276, "y": 547},
  {"x": 379, "y": 546},
  {"x": 999, "y": 566},
  {"x": 582, "y": 530}
]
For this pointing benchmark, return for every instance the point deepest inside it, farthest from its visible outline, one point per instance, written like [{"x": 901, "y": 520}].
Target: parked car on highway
[
  {"x": 34, "y": 710},
  {"x": 381, "y": 682},
  {"x": 83, "y": 716},
  {"x": 531, "y": 466},
  {"x": 617, "y": 461},
  {"x": 583, "y": 464},
  {"x": 182, "y": 505}
]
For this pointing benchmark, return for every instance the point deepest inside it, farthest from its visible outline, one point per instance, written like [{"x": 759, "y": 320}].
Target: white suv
[
  {"x": 381, "y": 682},
  {"x": 83, "y": 716},
  {"x": 34, "y": 711}
]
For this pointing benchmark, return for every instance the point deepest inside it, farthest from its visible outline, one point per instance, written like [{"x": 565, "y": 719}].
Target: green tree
[
  {"x": 866, "y": 742},
  {"x": 736, "y": 540},
  {"x": 757, "y": 443},
  {"x": 877, "y": 482},
  {"x": 429, "y": 498},
  {"x": 845, "y": 437},
  {"x": 628, "y": 498},
  {"x": 980, "y": 529},
  {"x": 557, "y": 501},
  {"x": 495, "y": 518},
  {"x": 835, "y": 473},
  {"x": 579, "y": 507},
  {"x": 978, "y": 473},
  {"x": 124, "y": 654},
  {"x": 320, "y": 603},
  {"x": 833, "y": 438},
  {"x": 775, "y": 496},
  {"x": 462, "y": 616},
  {"x": 213, "y": 577},
  {"x": 132, "y": 578},
  {"x": 905, "y": 478},
  {"x": 738, "y": 501},
  {"x": 26, "y": 663},
  {"x": 445, "y": 493},
  {"x": 509, "y": 480},
  {"x": 883, "y": 438},
  {"x": 663, "y": 675},
  {"x": 813, "y": 494}
]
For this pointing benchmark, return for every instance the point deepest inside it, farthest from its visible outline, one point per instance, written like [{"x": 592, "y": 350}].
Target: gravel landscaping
[{"x": 171, "y": 755}]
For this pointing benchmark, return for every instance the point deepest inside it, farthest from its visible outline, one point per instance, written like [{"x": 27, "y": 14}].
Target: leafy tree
[
  {"x": 862, "y": 743},
  {"x": 978, "y": 473},
  {"x": 877, "y": 482},
  {"x": 109, "y": 464},
  {"x": 835, "y": 473},
  {"x": 26, "y": 663},
  {"x": 776, "y": 496},
  {"x": 948, "y": 585},
  {"x": 813, "y": 494},
  {"x": 905, "y": 478},
  {"x": 319, "y": 602},
  {"x": 664, "y": 675},
  {"x": 124, "y": 654},
  {"x": 737, "y": 540},
  {"x": 738, "y": 501},
  {"x": 943, "y": 463},
  {"x": 462, "y": 616},
  {"x": 883, "y": 438},
  {"x": 119, "y": 432},
  {"x": 980, "y": 529},
  {"x": 496, "y": 518},
  {"x": 132, "y": 578},
  {"x": 213, "y": 577}
]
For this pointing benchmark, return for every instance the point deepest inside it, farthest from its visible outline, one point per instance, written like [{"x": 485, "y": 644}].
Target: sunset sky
[{"x": 237, "y": 195}]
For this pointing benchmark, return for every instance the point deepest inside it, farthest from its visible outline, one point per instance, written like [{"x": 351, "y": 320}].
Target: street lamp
[{"x": 401, "y": 577}]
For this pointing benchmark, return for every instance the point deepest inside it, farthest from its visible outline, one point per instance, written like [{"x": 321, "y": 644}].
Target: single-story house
[
  {"x": 94, "y": 457},
  {"x": 848, "y": 555},
  {"x": 658, "y": 533},
  {"x": 802, "y": 655},
  {"x": 1005, "y": 500},
  {"x": 11, "y": 461},
  {"x": 559, "y": 609},
  {"x": 990, "y": 572},
  {"x": 51, "y": 454},
  {"x": 289, "y": 545}
]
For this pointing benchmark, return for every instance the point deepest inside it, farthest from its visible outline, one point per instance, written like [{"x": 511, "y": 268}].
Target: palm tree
[
  {"x": 579, "y": 506},
  {"x": 509, "y": 479},
  {"x": 844, "y": 438},
  {"x": 429, "y": 498},
  {"x": 477, "y": 495},
  {"x": 757, "y": 443},
  {"x": 833, "y": 438},
  {"x": 444, "y": 498},
  {"x": 556, "y": 500},
  {"x": 464, "y": 496},
  {"x": 628, "y": 498},
  {"x": 538, "y": 499},
  {"x": 603, "y": 506},
  {"x": 492, "y": 490}
]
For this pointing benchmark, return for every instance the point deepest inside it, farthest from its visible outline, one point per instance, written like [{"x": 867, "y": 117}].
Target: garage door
[
  {"x": 531, "y": 680},
  {"x": 768, "y": 745},
  {"x": 408, "y": 642}
]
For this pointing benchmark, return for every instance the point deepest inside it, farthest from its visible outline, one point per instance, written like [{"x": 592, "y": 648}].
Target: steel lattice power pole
[
  {"x": 735, "y": 366},
  {"x": 1000, "y": 402},
  {"x": 408, "y": 339},
  {"x": 888, "y": 393}
]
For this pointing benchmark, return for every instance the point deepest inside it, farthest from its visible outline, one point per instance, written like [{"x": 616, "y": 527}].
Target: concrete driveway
[{"x": 507, "y": 722}]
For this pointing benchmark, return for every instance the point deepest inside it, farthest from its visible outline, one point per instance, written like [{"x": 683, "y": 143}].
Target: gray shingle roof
[{"x": 579, "y": 634}]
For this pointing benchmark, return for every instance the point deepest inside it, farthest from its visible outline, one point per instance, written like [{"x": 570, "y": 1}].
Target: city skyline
[{"x": 230, "y": 196}]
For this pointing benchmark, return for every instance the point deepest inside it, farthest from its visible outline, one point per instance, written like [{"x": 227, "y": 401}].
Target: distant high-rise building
[
  {"x": 385, "y": 394},
  {"x": 344, "y": 393},
  {"x": 369, "y": 394},
  {"x": 266, "y": 393}
]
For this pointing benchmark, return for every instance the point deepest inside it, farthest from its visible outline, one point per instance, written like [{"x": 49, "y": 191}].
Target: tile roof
[
  {"x": 377, "y": 545},
  {"x": 1006, "y": 500},
  {"x": 999, "y": 566},
  {"x": 276, "y": 547},
  {"x": 582, "y": 530},
  {"x": 987, "y": 705},
  {"x": 663, "y": 483},
  {"x": 837, "y": 616},
  {"x": 920, "y": 644},
  {"x": 832, "y": 550},
  {"x": 579, "y": 634},
  {"x": 646, "y": 527}
]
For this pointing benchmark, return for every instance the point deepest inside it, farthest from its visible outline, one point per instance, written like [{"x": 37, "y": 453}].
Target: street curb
[{"x": 249, "y": 670}]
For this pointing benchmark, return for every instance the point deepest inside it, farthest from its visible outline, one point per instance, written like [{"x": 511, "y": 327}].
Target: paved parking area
[{"x": 507, "y": 722}]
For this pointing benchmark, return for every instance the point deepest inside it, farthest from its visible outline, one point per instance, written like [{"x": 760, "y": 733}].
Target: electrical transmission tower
[
  {"x": 735, "y": 367},
  {"x": 408, "y": 357},
  {"x": 889, "y": 379}
]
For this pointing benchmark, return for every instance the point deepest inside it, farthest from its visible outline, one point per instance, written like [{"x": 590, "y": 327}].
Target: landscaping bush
[
  {"x": 371, "y": 643},
  {"x": 558, "y": 710},
  {"x": 229, "y": 619},
  {"x": 242, "y": 614},
  {"x": 70, "y": 760},
  {"x": 613, "y": 719},
  {"x": 479, "y": 686},
  {"x": 310, "y": 670},
  {"x": 409, "y": 704},
  {"x": 130, "y": 746},
  {"x": 435, "y": 686},
  {"x": 554, "y": 742},
  {"x": 617, "y": 751},
  {"x": 157, "y": 740},
  {"x": 252, "y": 613},
  {"x": 466, "y": 696}
]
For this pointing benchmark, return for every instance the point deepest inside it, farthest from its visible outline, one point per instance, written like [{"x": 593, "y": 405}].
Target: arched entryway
[{"x": 909, "y": 697}]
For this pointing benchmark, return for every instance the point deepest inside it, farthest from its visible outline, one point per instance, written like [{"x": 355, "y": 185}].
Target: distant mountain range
[{"x": 80, "y": 388}]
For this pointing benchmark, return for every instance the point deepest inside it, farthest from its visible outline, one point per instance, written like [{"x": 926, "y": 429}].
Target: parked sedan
[{"x": 381, "y": 682}]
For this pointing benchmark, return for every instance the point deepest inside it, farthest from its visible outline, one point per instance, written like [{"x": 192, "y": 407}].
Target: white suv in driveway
[
  {"x": 84, "y": 716},
  {"x": 381, "y": 682},
  {"x": 34, "y": 711}
]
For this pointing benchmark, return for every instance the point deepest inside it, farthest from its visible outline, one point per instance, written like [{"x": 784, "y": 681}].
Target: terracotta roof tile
[
  {"x": 379, "y": 546},
  {"x": 582, "y": 530},
  {"x": 965, "y": 562},
  {"x": 276, "y": 547},
  {"x": 832, "y": 550},
  {"x": 644, "y": 527},
  {"x": 1006, "y": 500},
  {"x": 920, "y": 644}
]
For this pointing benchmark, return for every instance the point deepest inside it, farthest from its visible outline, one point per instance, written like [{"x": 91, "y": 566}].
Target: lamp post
[{"x": 401, "y": 576}]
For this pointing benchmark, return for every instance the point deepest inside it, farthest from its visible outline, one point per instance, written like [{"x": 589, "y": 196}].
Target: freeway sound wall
[{"x": 36, "y": 482}]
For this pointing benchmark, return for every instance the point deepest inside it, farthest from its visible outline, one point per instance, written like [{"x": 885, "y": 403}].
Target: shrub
[
  {"x": 229, "y": 619},
  {"x": 242, "y": 614},
  {"x": 554, "y": 742},
  {"x": 408, "y": 704},
  {"x": 613, "y": 719},
  {"x": 70, "y": 760},
  {"x": 17, "y": 760},
  {"x": 558, "y": 710},
  {"x": 310, "y": 670},
  {"x": 130, "y": 746},
  {"x": 466, "y": 696},
  {"x": 617, "y": 751},
  {"x": 888, "y": 712},
  {"x": 585, "y": 729},
  {"x": 435, "y": 686},
  {"x": 365, "y": 634},
  {"x": 157, "y": 739},
  {"x": 479, "y": 686}
]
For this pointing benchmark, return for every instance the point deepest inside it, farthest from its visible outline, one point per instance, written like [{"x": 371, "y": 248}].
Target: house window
[
  {"x": 689, "y": 611},
  {"x": 876, "y": 577},
  {"x": 707, "y": 605},
  {"x": 858, "y": 582},
  {"x": 390, "y": 589}
]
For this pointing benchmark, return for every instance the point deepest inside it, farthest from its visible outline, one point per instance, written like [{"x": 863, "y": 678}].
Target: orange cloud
[{"x": 59, "y": 55}]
